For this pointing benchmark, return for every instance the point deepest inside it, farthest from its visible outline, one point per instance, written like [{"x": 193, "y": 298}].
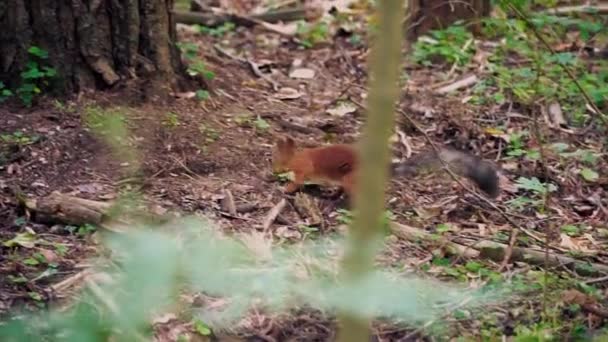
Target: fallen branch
[
  {"x": 68, "y": 209},
  {"x": 596, "y": 9},
  {"x": 71, "y": 210},
  {"x": 495, "y": 251},
  {"x": 216, "y": 19}
]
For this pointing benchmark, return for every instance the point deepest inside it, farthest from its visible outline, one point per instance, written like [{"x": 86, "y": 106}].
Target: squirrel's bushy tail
[{"x": 482, "y": 172}]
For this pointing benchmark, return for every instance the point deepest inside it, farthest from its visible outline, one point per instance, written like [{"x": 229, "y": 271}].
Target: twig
[
  {"x": 70, "y": 281},
  {"x": 509, "y": 251},
  {"x": 254, "y": 67},
  {"x": 455, "y": 64},
  {"x": 405, "y": 142},
  {"x": 462, "y": 83},
  {"x": 597, "y": 280},
  {"x": 590, "y": 102},
  {"x": 256, "y": 71},
  {"x": 272, "y": 214}
]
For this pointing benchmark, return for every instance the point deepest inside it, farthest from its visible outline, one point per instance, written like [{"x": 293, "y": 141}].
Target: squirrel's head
[{"x": 282, "y": 153}]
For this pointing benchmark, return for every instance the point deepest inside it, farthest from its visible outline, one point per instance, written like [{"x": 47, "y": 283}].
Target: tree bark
[
  {"x": 426, "y": 15},
  {"x": 92, "y": 43}
]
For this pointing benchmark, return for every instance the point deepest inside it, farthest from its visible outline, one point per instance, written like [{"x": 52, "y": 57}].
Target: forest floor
[{"x": 193, "y": 151}]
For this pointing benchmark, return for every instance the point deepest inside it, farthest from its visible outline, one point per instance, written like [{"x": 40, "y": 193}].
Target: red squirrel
[{"x": 337, "y": 165}]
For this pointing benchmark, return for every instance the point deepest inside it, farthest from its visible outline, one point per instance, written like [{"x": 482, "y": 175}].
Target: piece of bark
[
  {"x": 246, "y": 208},
  {"x": 556, "y": 116},
  {"x": 307, "y": 208},
  {"x": 68, "y": 209}
]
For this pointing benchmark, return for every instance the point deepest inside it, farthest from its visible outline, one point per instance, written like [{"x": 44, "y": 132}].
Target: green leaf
[
  {"x": 27, "y": 240},
  {"x": 560, "y": 147},
  {"x": 35, "y": 296},
  {"x": 564, "y": 58},
  {"x": 31, "y": 262},
  {"x": 261, "y": 124},
  {"x": 32, "y": 73},
  {"x": 570, "y": 229},
  {"x": 589, "y": 175},
  {"x": 201, "y": 328},
  {"x": 17, "y": 280},
  {"x": 38, "y": 52},
  {"x": 473, "y": 266},
  {"x": 49, "y": 72},
  {"x": 535, "y": 185},
  {"x": 443, "y": 228},
  {"x": 20, "y": 221},
  {"x": 202, "y": 94}
]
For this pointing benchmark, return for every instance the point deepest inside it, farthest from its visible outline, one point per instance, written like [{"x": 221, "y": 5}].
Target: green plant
[
  {"x": 35, "y": 76},
  {"x": 171, "y": 120},
  {"x": 60, "y": 106},
  {"x": 311, "y": 34},
  {"x": 536, "y": 188},
  {"x": 202, "y": 94},
  {"x": 210, "y": 134},
  {"x": 517, "y": 144},
  {"x": 19, "y": 138},
  {"x": 539, "y": 73},
  {"x": 196, "y": 66},
  {"x": 216, "y": 31},
  {"x": 5, "y": 93},
  {"x": 261, "y": 124},
  {"x": 451, "y": 45},
  {"x": 571, "y": 230},
  {"x": 83, "y": 230}
]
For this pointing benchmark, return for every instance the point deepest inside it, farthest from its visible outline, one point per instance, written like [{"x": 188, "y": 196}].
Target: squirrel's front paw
[{"x": 291, "y": 188}]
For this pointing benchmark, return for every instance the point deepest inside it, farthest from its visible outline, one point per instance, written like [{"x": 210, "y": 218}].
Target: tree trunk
[
  {"x": 92, "y": 43},
  {"x": 426, "y": 15}
]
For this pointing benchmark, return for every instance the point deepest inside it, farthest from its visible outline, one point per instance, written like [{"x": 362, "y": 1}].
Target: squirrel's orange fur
[{"x": 334, "y": 164}]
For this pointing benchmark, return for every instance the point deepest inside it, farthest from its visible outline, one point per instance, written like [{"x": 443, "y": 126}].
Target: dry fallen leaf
[
  {"x": 342, "y": 109},
  {"x": 574, "y": 244},
  {"x": 287, "y": 233},
  {"x": 287, "y": 93},
  {"x": 164, "y": 319},
  {"x": 186, "y": 95},
  {"x": 303, "y": 73}
]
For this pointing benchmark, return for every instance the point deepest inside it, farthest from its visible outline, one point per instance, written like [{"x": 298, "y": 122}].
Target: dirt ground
[{"x": 192, "y": 152}]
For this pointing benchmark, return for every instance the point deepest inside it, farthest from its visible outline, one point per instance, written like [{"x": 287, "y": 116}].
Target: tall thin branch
[{"x": 385, "y": 61}]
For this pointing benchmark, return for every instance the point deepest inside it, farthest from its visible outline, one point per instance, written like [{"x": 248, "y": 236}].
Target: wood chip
[
  {"x": 227, "y": 203},
  {"x": 554, "y": 111},
  {"x": 273, "y": 213},
  {"x": 462, "y": 83}
]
